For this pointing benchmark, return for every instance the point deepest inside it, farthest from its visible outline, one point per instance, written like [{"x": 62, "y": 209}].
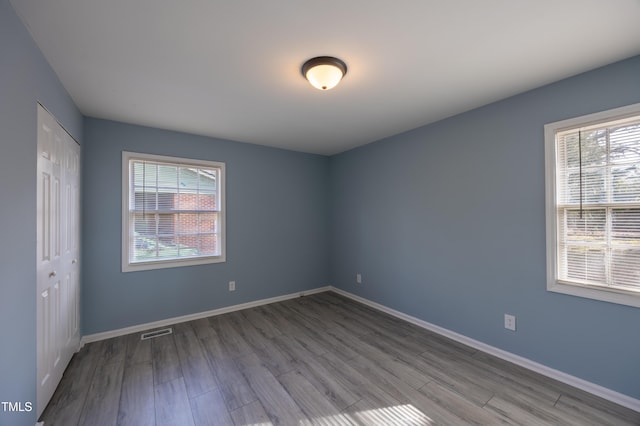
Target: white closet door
[{"x": 57, "y": 261}]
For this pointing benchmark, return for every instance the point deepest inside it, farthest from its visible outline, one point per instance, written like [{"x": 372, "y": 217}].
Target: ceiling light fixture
[{"x": 324, "y": 72}]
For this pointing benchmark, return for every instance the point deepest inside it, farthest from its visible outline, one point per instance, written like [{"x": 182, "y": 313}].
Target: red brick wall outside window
[{"x": 189, "y": 225}]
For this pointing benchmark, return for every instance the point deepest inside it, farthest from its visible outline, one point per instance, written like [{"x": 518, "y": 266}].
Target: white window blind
[
  {"x": 174, "y": 212},
  {"x": 598, "y": 205}
]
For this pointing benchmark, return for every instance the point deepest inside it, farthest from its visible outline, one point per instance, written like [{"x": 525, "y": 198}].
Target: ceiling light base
[{"x": 324, "y": 72}]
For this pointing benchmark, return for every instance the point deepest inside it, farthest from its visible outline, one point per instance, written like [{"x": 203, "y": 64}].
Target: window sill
[
  {"x": 173, "y": 263},
  {"x": 620, "y": 297}
]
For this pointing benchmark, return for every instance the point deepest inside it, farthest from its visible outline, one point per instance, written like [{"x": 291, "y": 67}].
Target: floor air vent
[{"x": 155, "y": 333}]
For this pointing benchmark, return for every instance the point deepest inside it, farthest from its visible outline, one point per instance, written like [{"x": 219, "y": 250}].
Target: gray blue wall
[
  {"x": 447, "y": 223},
  {"x": 277, "y": 221},
  {"x": 25, "y": 79}
]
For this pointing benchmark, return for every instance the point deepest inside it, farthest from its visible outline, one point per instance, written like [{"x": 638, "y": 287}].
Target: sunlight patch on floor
[
  {"x": 332, "y": 420},
  {"x": 405, "y": 414},
  {"x": 401, "y": 415}
]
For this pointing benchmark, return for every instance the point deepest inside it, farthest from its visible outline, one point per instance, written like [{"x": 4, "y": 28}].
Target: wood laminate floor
[{"x": 321, "y": 359}]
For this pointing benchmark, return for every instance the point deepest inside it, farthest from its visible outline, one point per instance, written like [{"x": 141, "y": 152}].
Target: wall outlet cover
[{"x": 510, "y": 322}]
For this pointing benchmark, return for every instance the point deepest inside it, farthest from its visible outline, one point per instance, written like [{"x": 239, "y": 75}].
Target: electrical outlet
[
  {"x": 232, "y": 286},
  {"x": 359, "y": 278},
  {"x": 510, "y": 322}
]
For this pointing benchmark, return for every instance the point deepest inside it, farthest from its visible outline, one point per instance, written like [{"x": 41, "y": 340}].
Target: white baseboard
[
  {"x": 175, "y": 320},
  {"x": 601, "y": 391}
]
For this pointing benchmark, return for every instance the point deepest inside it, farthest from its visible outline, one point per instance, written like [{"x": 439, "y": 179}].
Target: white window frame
[
  {"x": 612, "y": 295},
  {"x": 127, "y": 226}
]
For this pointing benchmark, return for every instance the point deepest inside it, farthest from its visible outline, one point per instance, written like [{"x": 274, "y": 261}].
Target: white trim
[
  {"x": 596, "y": 118},
  {"x": 592, "y": 388},
  {"x": 190, "y": 317},
  {"x": 170, "y": 263},
  {"x": 553, "y": 283}
]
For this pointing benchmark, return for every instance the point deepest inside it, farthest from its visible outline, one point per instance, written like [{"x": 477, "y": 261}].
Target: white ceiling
[{"x": 231, "y": 69}]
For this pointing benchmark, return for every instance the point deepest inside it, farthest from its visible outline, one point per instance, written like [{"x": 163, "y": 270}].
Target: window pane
[
  {"x": 625, "y": 144},
  {"x": 188, "y": 179},
  {"x": 167, "y": 177},
  {"x": 593, "y": 186},
  {"x": 166, "y": 224},
  {"x": 144, "y": 247},
  {"x": 591, "y": 146},
  {"x": 586, "y": 264},
  {"x": 167, "y": 247},
  {"x": 188, "y": 224},
  {"x": 139, "y": 201},
  {"x": 144, "y": 224},
  {"x": 188, "y": 244},
  {"x": 208, "y": 179},
  {"x": 144, "y": 174},
  {"x": 187, "y": 201},
  {"x": 145, "y": 201},
  {"x": 208, "y": 222},
  {"x": 208, "y": 201},
  {"x": 625, "y": 268},
  {"x": 590, "y": 228},
  {"x": 625, "y": 226},
  {"x": 209, "y": 245},
  {"x": 625, "y": 181},
  {"x": 165, "y": 201}
]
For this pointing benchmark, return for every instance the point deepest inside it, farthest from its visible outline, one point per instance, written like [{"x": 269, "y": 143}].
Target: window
[
  {"x": 593, "y": 206},
  {"x": 172, "y": 212}
]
